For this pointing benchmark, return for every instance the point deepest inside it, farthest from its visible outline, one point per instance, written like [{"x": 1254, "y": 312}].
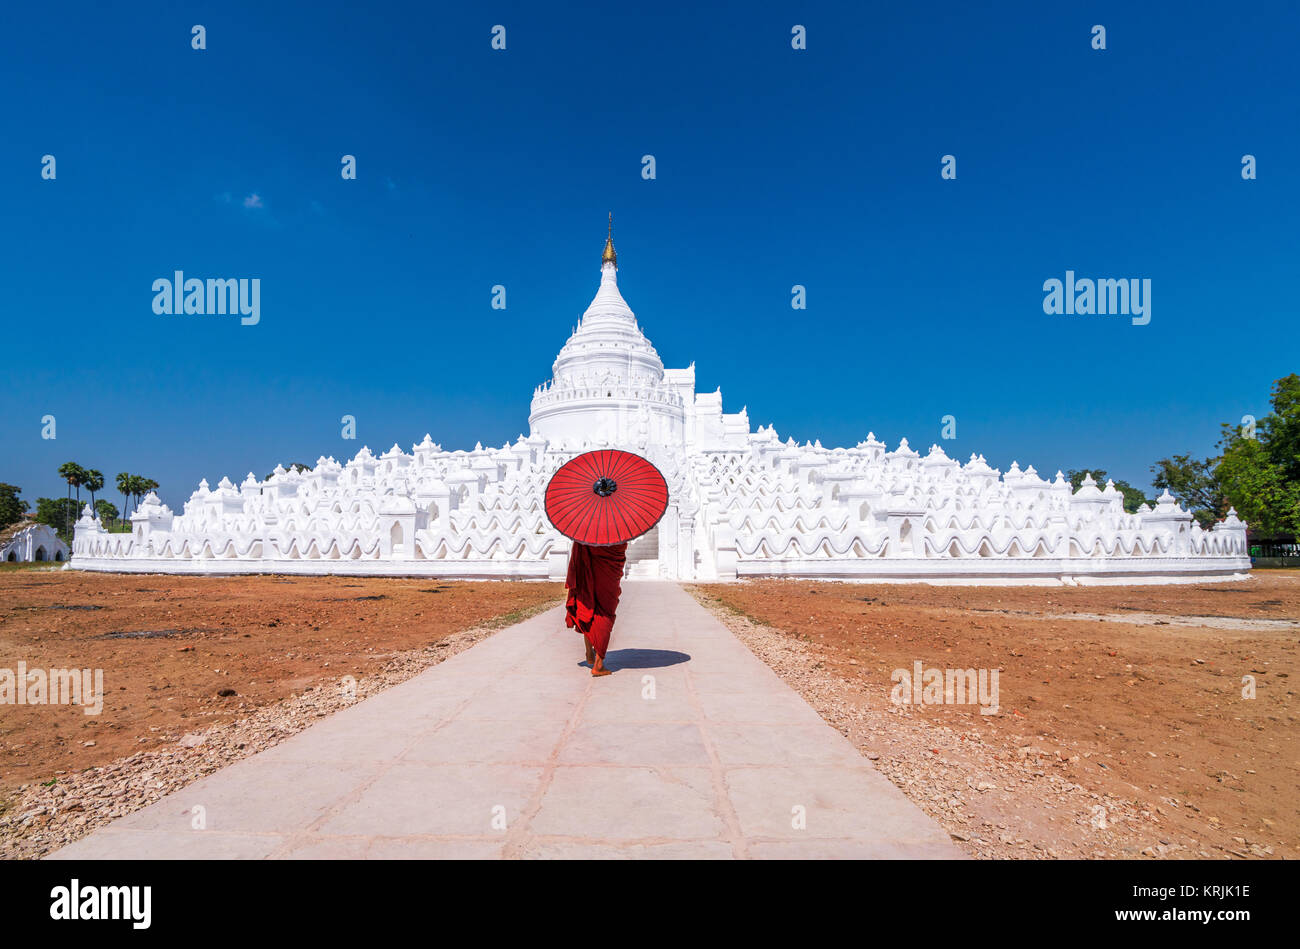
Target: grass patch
[{"x": 517, "y": 616}]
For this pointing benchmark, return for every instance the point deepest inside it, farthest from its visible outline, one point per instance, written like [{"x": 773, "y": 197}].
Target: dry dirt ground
[
  {"x": 201, "y": 671},
  {"x": 1122, "y": 728}
]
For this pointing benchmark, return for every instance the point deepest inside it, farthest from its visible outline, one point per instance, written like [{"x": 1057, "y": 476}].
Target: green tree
[
  {"x": 123, "y": 483},
  {"x": 1195, "y": 485},
  {"x": 107, "y": 511},
  {"x": 1133, "y": 498},
  {"x": 58, "y": 513},
  {"x": 1280, "y": 432},
  {"x": 1257, "y": 488},
  {"x": 12, "y": 508},
  {"x": 75, "y": 475},
  {"x": 140, "y": 486},
  {"x": 1260, "y": 475},
  {"x": 94, "y": 482},
  {"x": 137, "y": 489}
]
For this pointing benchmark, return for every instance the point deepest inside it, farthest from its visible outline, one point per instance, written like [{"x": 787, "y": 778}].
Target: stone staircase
[
  {"x": 642, "y": 570},
  {"x": 643, "y": 557}
]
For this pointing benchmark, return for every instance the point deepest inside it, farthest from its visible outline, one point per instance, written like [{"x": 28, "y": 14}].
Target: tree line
[
  {"x": 62, "y": 513},
  {"x": 1257, "y": 471}
]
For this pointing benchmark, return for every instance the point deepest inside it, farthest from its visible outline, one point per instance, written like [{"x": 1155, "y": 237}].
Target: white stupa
[{"x": 742, "y": 503}]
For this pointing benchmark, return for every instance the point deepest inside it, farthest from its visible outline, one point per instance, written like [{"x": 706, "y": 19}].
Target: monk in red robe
[{"x": 594, "y": 583}]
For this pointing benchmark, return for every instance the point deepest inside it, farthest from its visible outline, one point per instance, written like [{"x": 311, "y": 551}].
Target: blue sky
[{"x": 775, "y": 167}]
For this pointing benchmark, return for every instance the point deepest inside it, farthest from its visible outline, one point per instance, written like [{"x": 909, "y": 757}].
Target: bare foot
[{"x": 598, "y": 668}]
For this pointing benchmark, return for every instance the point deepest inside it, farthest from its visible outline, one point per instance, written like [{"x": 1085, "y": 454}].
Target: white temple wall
[
  {"x": 742, "y": 503},
  {"x": 600, "y": 420},
  {"x": 746, "y": 520}
]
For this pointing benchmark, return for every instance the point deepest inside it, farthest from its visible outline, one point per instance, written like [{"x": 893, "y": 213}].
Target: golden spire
[{"x": 609, "y": 257}]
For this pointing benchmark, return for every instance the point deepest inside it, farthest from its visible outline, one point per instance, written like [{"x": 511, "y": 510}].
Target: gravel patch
[
  {"x": 39, "y": 819},
  {"x": 998, "y": 797}
]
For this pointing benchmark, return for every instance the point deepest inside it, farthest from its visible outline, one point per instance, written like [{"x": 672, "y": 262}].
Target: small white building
[{"x": 26, "y": 542}]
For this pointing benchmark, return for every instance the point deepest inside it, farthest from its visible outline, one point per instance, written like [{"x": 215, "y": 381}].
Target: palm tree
[
  {"x": 123, "y": 482},
  {"x": 74, "y": 474},
  {"x": 94, "y": 482},
  {"x": 140, "y": 486},
  {"x": 107, "y": 512}
]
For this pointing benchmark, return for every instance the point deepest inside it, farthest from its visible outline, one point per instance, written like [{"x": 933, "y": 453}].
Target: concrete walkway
[{"x": 693, "y": 748}]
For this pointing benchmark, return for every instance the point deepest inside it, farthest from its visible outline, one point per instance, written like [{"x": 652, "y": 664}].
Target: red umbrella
[{"x": 606, "y": 497}]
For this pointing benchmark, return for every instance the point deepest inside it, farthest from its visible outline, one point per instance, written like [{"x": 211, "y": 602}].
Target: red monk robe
[{"x": 594, "y": 583}]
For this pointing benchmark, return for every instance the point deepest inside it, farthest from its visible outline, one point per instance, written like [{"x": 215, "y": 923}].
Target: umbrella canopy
[{"x": 606, "y": 497}]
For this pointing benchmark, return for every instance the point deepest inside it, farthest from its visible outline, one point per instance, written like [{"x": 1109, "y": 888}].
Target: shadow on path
[{"x": 617, "y": 659}]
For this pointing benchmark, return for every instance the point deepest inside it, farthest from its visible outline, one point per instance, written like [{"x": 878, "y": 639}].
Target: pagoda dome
[
  {"x": 608, "y": 382},
  {"x": 608, "y": 345}
]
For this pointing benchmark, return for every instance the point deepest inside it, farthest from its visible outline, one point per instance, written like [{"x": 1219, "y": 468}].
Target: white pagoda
[{"x": 742, "y": 503}]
